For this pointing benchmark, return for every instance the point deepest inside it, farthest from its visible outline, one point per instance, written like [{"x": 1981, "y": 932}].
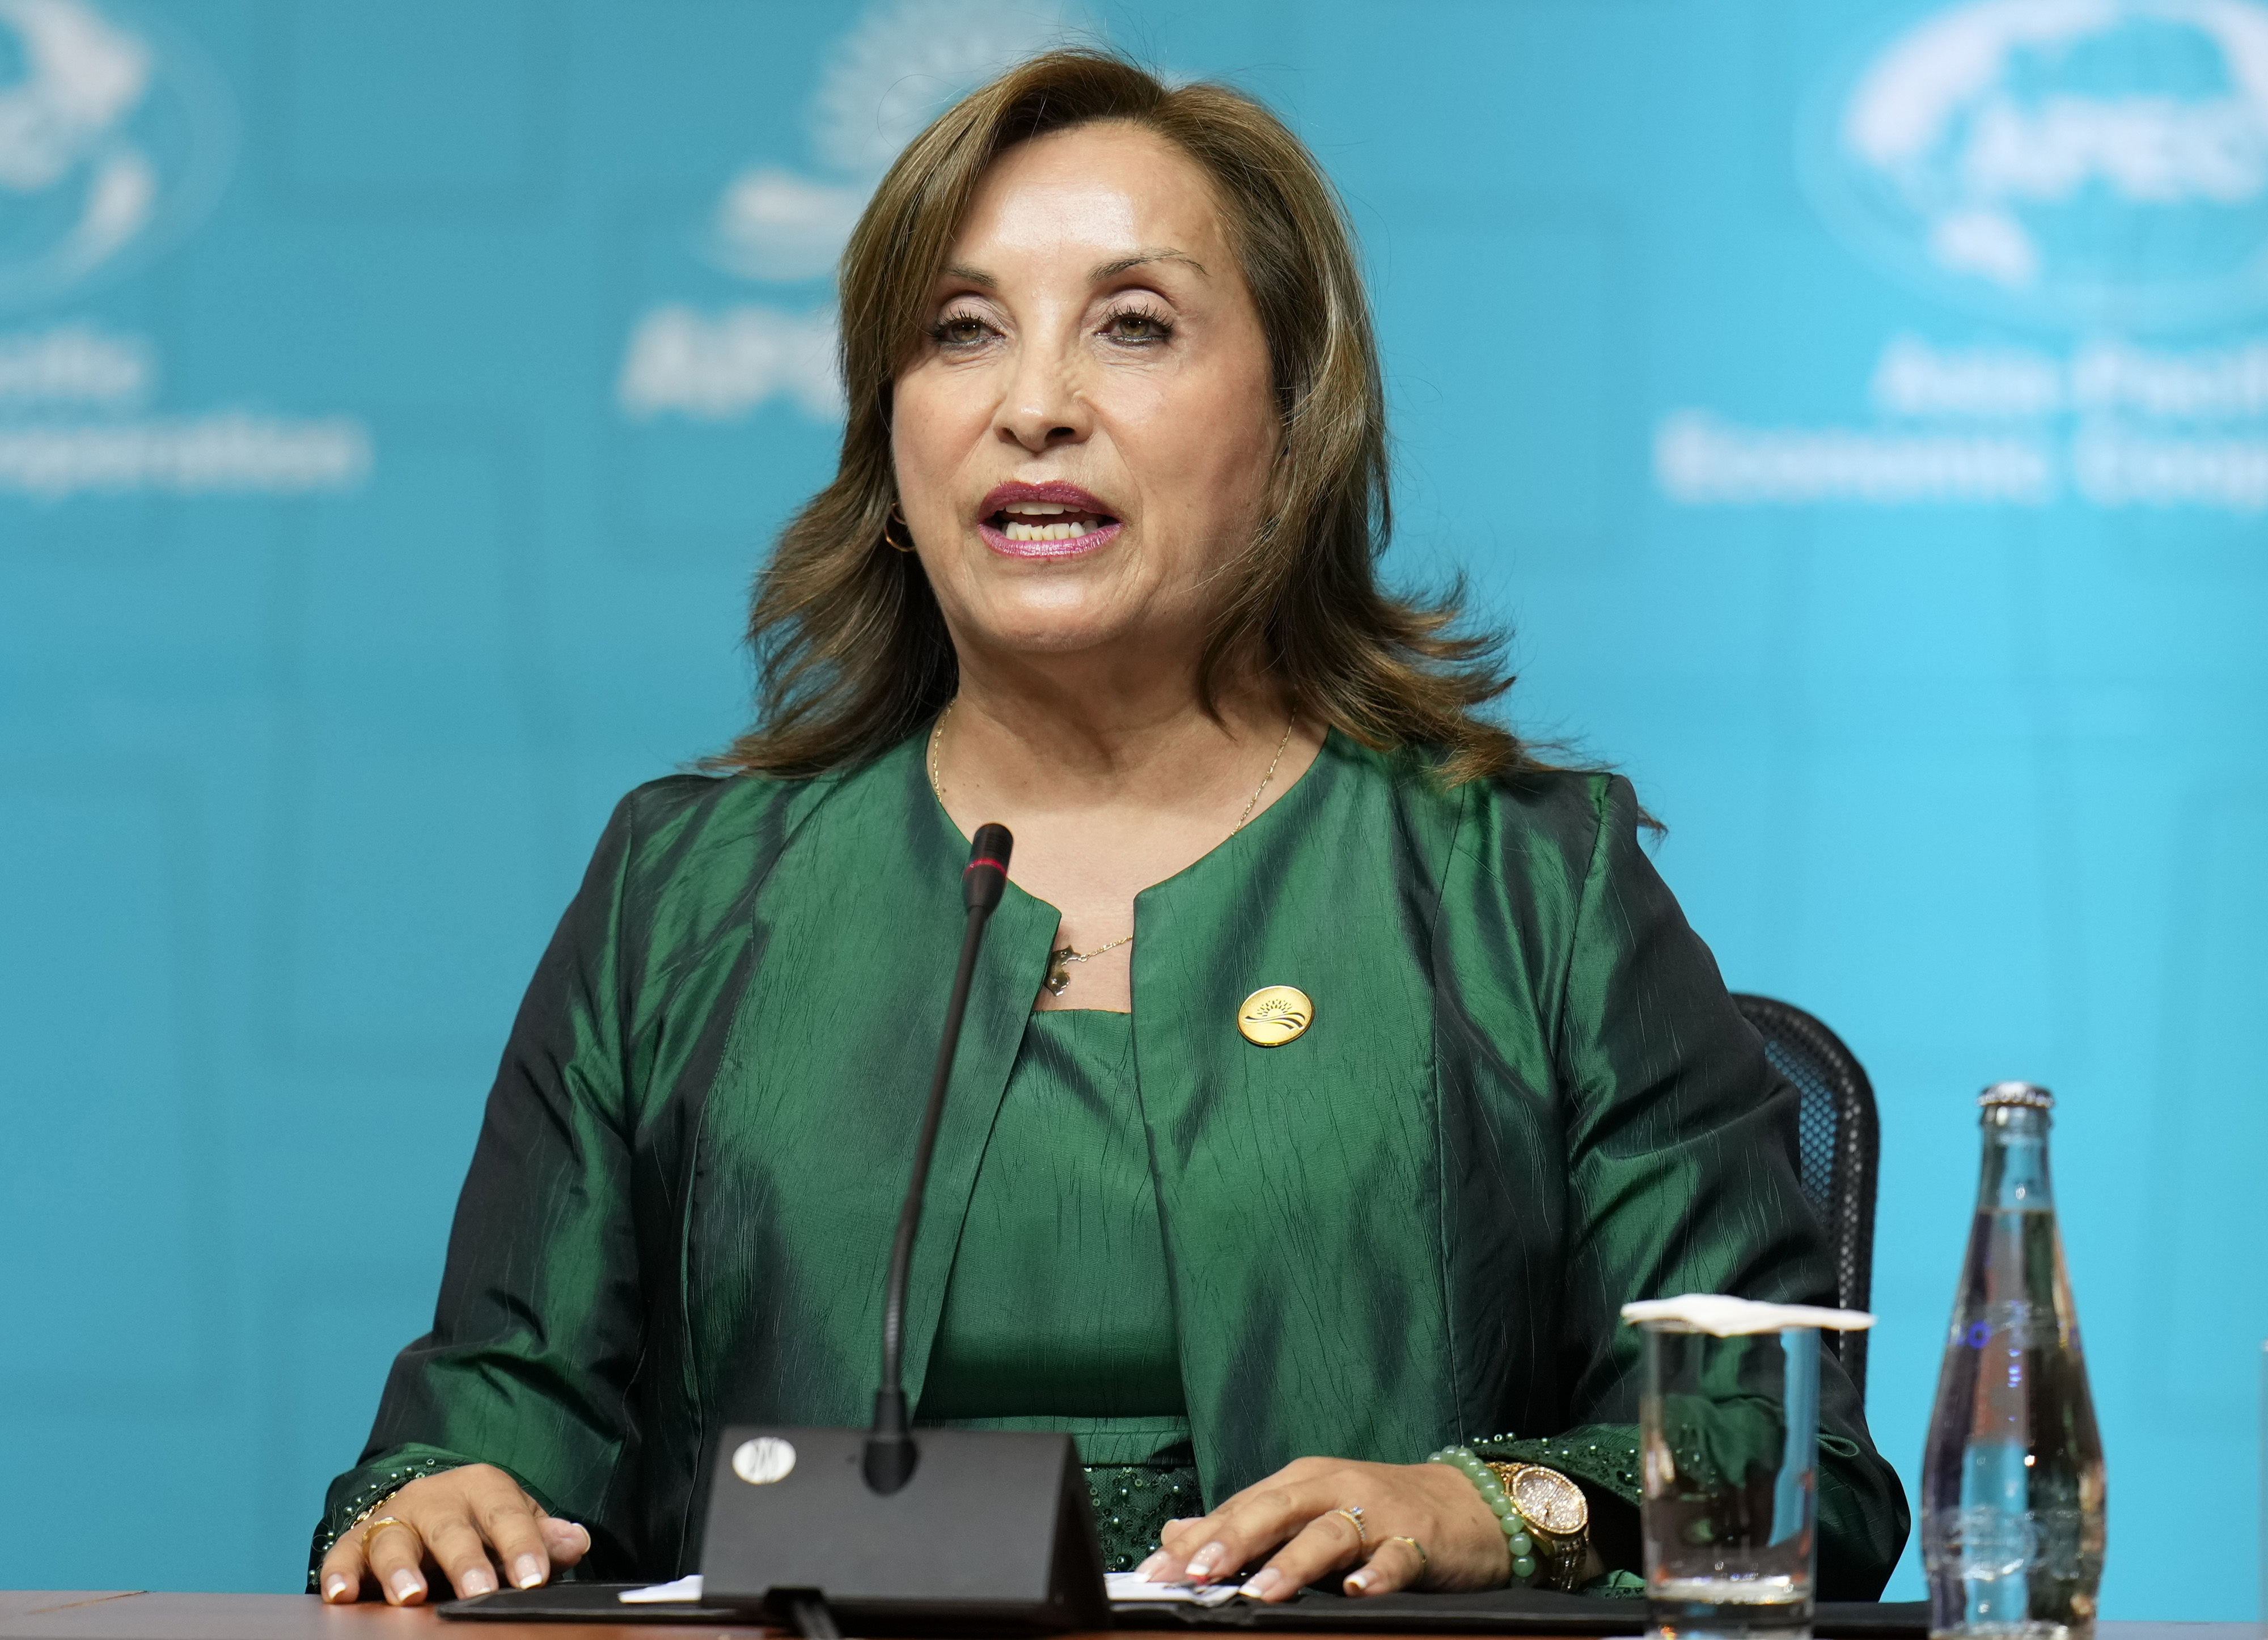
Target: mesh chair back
[{"x": 1838, "y": 1140}]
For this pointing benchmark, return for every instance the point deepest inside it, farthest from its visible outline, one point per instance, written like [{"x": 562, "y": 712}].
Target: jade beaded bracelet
[{"x": 1517, "y": 1538}]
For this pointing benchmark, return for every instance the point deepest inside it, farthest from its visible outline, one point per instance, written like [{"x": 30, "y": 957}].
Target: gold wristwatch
[{"x": 1558, "y": 1517}]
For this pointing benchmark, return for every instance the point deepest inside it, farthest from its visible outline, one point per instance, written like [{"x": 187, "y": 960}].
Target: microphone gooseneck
[{"x": 890, "y": 1453}]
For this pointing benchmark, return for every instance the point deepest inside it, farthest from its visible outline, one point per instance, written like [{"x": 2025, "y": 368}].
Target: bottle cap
[{"x": 2027, "y": 1093}]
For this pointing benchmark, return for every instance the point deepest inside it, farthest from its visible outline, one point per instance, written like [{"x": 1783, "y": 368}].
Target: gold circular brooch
[{"x": 1274, "y": 1014}]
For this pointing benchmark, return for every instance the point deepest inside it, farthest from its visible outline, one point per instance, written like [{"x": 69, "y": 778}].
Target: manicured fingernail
[
  {"x": 1263, "y": 1584},
  {"x": 407, "y": 1586},
  {"x": 527, "y": 1571},
  {"x": 1204, "y": 1559},
  {"x": 1151, "y": 1564},
  {"x": 479, "y": 1580},
  {"x": 336, "y": 1588},
  {"x": 1358, "y": 1583}
]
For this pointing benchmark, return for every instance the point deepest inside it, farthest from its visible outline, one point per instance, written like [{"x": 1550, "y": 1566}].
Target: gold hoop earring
[{"x": 887, "y": 539}]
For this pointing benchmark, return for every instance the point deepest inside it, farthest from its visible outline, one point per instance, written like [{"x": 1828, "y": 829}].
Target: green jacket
[{"x": 1525, "y": 1098}]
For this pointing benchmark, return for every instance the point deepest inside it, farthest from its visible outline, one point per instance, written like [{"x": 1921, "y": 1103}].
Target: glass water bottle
[{"x": 2012, "y": 1491}]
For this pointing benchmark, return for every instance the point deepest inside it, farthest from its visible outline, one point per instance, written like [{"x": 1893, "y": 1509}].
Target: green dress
[
  {"x": 1524, "y": 1099},
  {"x": 1059, "y": 1312}
]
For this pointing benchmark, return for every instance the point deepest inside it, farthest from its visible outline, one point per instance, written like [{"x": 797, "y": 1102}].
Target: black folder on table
[{"x": 1484, "y": 1611}]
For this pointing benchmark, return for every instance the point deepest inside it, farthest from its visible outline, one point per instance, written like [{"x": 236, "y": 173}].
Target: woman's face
[{"x": 1086, "y": 433}]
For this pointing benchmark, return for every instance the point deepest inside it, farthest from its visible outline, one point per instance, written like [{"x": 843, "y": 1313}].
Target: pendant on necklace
[{"x": 1058, "y": 979}]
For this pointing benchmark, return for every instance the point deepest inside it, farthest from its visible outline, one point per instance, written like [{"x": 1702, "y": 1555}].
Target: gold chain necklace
[{"x": 1058, "y": 979}]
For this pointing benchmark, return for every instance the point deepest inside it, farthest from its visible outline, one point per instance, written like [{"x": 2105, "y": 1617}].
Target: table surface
[
  {"x": 132, "y": 1615},
  {"x": 139, "y": 1615}
]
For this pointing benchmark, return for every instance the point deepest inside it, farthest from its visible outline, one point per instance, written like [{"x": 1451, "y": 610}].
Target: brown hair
[{"x": 852, "y": 652}]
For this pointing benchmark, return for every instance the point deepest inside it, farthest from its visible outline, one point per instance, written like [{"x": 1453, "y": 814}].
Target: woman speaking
[{"x": 1335, "y": 1069}]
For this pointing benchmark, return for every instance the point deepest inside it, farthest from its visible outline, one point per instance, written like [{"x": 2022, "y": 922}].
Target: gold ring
[
  {"x": 1423, "y": 1559},
  {"x": 1353, "y": 1512},
  {"x": 375, "y": 1526}
]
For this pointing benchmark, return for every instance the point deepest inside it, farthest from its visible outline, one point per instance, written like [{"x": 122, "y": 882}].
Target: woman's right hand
[{"x": 467, "y": 1522}]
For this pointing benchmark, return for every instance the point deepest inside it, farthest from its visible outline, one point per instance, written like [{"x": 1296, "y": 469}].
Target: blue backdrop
[{"x": 1861, "y": 411}]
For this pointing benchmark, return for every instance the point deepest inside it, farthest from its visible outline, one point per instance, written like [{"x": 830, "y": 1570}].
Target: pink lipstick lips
[{"x": 1045, "y": 521}]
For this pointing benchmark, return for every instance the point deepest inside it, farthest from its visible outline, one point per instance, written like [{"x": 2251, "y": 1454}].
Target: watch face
[{"x": 1550, "y": 1501}]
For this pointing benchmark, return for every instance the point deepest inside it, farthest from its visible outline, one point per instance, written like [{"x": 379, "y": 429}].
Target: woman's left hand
[{"x": 1295, "y": 1517}]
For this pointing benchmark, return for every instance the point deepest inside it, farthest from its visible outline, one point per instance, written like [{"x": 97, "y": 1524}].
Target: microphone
[
  {"x": 890, "y": 1455},
  {"x": 967, "y": 1532}
]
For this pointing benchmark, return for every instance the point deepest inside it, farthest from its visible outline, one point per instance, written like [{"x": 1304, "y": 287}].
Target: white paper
[
  {"x": 1727, "y": 1317},
  {"x": 686, "y": 1589},
  {"x": 1121, "y": 1586},
  {"x": 1126, "y": 1587}
]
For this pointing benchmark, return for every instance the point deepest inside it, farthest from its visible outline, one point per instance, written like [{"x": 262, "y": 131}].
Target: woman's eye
[
  {"x": 1137, "y": 328},
  {"x": 960, "y": 330}
]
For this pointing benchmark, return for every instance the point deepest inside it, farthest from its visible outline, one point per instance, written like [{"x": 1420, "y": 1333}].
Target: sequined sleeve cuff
[
  {"x": 1605, "y": 1454},
  {"x": 359, "y": 1490}
]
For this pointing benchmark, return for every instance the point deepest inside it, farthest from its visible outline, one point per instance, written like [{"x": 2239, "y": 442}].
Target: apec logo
[
  {"x": 779, "y": 226},
  {"x": 112, "y": 144},
  {"x": 2091, "y": 162}
]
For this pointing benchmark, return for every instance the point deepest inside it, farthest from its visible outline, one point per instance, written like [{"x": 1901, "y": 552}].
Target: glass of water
[{"x": 1729, "y": 1430}]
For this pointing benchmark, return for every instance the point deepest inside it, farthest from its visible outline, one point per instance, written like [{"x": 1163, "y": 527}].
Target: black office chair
[{"x": 1837, "y": 1142}]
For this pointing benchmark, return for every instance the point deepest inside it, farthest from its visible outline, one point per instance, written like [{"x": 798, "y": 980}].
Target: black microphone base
[{"x": 993, "y": 1532}]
